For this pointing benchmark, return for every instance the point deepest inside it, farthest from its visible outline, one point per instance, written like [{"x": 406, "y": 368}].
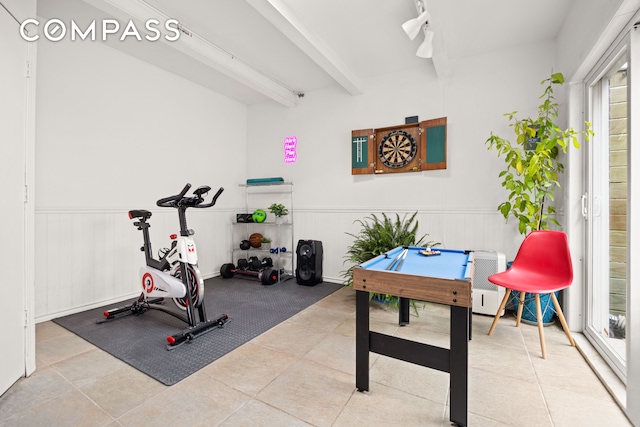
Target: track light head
[
  {"x": 412, "y": 26},
  {"x": 426, "y": 48}
]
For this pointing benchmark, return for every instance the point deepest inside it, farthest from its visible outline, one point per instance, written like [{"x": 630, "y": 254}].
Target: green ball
[{"x": 259, "y": 215}]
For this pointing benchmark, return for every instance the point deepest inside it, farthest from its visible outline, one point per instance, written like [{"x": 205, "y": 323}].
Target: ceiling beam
[
  {"x": 283, "y": 18},
  {"x": 206, "y": 52},
  {"x": 440, "y": 56},
  {"x": 211, "y": 55}
]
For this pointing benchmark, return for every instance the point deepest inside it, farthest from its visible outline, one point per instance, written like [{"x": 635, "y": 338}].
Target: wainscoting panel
[{"x": 88, "y": 258}]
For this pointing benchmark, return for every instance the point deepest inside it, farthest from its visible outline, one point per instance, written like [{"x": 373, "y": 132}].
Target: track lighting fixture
[{"x": 413, "y": 26}]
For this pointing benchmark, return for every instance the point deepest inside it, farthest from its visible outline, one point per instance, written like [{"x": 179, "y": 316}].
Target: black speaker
[{"x": 309, "y": 265}]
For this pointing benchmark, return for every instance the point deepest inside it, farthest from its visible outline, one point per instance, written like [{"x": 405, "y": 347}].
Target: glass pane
[
  {"x": 617, "y": 283},
  {"x": 607, "y": 320}
]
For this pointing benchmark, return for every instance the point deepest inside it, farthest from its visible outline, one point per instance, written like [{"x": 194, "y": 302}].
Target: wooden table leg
[
  {"x": 362, "y": 340},
  {"x": 403, "y": 312},
  {"x": 459, "y": 356}
]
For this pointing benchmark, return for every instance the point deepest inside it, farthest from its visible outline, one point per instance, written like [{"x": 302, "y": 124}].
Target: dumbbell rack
[{"x": 281, "y": 233}]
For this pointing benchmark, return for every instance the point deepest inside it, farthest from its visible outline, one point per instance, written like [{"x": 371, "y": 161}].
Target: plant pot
[
  {"x": 281, "y": 220},
  {"x": 529, "y": 310}
]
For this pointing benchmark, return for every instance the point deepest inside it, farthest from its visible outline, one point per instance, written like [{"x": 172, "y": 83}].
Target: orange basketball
[{"x": 254, "y": 239}]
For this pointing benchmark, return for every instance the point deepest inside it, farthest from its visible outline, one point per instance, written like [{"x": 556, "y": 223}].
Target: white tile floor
[{"x": 302, "y": 373}]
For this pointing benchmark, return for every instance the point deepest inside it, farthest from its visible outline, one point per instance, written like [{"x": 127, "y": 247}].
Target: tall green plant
[{"x": 532, "y": 161}]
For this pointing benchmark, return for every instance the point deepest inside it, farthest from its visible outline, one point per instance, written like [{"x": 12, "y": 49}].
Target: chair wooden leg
[
  {"x": 562, "y": 319},
  {"x": 520, "y": 307},
  {"x": 502, "y": 305},
  {"x": 540, "y": 326}
]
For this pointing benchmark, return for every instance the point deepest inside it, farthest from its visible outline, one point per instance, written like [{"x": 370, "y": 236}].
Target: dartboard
[{"x": 397, "y": 149}]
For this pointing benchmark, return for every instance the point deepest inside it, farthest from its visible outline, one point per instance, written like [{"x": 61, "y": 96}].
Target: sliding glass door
[
  {"x": 606, "y": 208},
  {"x": 610, "y": 203}
]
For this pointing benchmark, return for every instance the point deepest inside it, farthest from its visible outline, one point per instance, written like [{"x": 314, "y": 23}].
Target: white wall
[
  {"x": 456, "y": 206},
  {"x": 583, "y": 28},
  {"x": 112, "y": 134},
  {"x": 21, "y": 9},
  {"x": 17, "y": 108}
]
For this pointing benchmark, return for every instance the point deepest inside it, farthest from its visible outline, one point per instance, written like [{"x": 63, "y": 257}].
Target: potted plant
[
  {"x": 533, "y": 163},
  {"x": 265, "y": 243},
  {"x": 377, "y": 236},
  {"x": 279, "y": 210}
]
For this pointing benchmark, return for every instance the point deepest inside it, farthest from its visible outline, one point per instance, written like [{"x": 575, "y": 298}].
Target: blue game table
[{"x": 444, "y": 278}]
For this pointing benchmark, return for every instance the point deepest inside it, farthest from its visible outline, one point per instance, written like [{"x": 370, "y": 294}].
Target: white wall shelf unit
[{"x": 279, "y": 230}]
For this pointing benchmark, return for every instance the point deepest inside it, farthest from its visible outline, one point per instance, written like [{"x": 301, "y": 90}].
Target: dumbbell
[
  {"x": 266, "y": 277},
  {"x": 254, "y": 263},
  {"x": 278, "y": 250}
]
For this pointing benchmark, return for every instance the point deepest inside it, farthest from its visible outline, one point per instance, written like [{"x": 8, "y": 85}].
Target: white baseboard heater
[{"x": 487, "y": 296}]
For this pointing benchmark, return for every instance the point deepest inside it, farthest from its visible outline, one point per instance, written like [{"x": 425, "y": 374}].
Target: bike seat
[{"x": 139, "y": 213}]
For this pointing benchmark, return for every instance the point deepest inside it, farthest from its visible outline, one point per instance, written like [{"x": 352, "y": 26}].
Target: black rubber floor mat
[{"x": 140, "y": 340}]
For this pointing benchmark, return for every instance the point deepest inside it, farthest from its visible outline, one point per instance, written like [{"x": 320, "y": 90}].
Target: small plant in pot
[
  {"x": 533, "y": 163},
  {"x": 265, "y": 243},
  {"x": 377, "y": 236},
  {"x": 279, "y": 210}
]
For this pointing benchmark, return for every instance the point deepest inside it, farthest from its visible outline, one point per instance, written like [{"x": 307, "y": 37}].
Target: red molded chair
[{"x": 542, "y": 266}]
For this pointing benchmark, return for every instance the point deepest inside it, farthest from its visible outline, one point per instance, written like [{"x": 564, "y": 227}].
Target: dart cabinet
[{"x": 410, "y": 147}]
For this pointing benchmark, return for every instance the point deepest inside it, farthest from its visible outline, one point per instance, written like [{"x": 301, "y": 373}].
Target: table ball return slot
[{"x": 445, "y": 278}]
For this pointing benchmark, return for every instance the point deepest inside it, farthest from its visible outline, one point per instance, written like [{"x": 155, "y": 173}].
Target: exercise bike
[{"x": 175, "y": 274}]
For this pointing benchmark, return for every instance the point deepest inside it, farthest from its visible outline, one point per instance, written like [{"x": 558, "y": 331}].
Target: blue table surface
[{"x": 450, "y": 264}]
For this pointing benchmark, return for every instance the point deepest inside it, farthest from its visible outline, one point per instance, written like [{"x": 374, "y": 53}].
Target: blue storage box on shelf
[{"x": 265, "y": 181}]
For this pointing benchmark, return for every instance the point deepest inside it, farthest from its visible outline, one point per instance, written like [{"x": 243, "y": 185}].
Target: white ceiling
[{"x": 362, "y": 38}]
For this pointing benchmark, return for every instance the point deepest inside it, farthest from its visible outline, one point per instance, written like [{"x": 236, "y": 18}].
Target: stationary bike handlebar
[
  {"x": 213, "y": 201},
  {"x": 179, "y": 200},
  {"x": 172, "y": 201}
]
